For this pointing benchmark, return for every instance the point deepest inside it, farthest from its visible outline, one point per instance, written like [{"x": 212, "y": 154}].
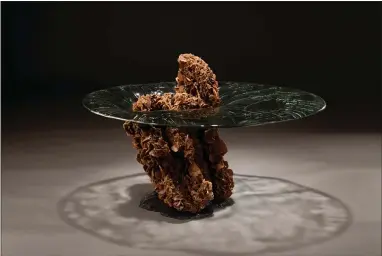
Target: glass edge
[{"x": 87, "y": 96}]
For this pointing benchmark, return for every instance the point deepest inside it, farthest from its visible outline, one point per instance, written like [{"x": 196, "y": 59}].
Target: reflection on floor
[{"x": 269, "y": 214}]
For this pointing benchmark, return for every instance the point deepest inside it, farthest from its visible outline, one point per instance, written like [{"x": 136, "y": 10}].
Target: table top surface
[{"x": 242, "y": 104}]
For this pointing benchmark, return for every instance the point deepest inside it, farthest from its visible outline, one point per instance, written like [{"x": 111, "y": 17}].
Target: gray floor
[{"x": 40, "y": 167}]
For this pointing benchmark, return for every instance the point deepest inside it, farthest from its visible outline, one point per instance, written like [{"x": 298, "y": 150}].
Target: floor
[{"x": 41, "y": 166}]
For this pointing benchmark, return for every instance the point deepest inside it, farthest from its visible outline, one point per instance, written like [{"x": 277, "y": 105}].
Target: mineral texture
[{"x": 185, "y": 165}]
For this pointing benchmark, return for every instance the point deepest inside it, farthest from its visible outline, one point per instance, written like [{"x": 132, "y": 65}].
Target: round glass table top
[{"x": 243, "y": 104}]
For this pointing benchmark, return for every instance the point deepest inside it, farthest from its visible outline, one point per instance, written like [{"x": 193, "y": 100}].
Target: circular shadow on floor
[{"x": 269, "y": 215}]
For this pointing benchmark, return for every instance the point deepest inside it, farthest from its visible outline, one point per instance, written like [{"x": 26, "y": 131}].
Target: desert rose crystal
[{"x": 185, "y": 165}]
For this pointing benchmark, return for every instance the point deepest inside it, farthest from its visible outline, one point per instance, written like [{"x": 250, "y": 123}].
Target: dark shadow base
[{"x": 151, "y": 202}]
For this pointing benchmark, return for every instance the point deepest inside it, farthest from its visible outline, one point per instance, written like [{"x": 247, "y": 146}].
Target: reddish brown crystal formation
[
  {"x": 222, "y": 176},
  {"x": 171, "y": 165},
  {"x": 168, "y": 101},
  {"x": 186, "y": 166},
  {"x": 197, "y": 79},
  {"x": 196, "y": 87}
]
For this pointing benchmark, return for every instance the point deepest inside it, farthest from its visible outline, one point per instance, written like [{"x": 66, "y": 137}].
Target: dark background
[{"x": 54, "y": 53}]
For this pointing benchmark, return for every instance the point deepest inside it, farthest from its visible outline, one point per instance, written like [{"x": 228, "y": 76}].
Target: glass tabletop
[{"x": 243, "y": 104}]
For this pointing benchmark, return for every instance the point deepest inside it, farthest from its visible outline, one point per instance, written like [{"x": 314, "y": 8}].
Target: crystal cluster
[{"x": 185, "y": 165}]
